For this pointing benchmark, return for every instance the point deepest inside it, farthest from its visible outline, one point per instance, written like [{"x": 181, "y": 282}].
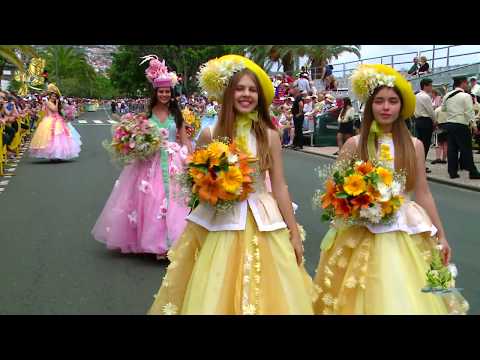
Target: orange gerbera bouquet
[
  {"x": 361, "y": 192},
  {"x": 219, "y": 174}
]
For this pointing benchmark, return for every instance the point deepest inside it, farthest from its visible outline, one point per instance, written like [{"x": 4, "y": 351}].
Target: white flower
[
  {"x": 232, "y": 158},
  {"x": 396, "y": 188},
  {"x": 144, "y": 186},
  {"x": 453, "y": 270},
  {"x": 170, "y": 309},
  {"x": 385, "y": 192},
  {"x": 372, "y": 214},
  {"x": 249, "y": 309},
  {"x": 439, "y": 247},
  {"x": 132, "y": 217}
]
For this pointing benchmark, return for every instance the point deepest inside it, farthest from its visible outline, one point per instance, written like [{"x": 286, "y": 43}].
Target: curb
[{"x": 431, "y": 178}]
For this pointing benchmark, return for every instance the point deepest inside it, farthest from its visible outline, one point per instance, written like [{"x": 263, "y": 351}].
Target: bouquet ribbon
[
  {"x": 375, "y": 131},
  {"x": 244, "y": 125}
]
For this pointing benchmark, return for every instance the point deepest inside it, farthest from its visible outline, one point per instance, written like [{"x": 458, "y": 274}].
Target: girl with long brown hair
[
  {"x": 248, "y": 259},
  {"x": 381, "y": 268},
  {"x": 144, "y": 213}
]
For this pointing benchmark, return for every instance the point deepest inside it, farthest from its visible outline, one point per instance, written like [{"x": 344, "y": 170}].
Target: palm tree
[
  {"x": 318, "y": 55},
  {"x": 14, "y": 55}
]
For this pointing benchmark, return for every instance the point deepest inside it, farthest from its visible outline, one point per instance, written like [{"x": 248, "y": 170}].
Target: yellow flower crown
[
  {"x": 368, "y": 77},
  {"x": 214, "y": 75}
]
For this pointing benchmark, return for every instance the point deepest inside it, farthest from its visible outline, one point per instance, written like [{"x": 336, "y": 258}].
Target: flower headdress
[
  {"x": 369, "y": 77},
  {"x": 157, "y": 72},
  {"x": 214, "y": 75}
]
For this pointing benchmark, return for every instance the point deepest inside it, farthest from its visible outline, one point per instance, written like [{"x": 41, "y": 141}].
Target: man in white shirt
[
  {"x": 424, "y": 115},
  {"x": 303, "y": 84},
  {"x": 475, "y": 87},
  {"x": 460, "y": 118}
]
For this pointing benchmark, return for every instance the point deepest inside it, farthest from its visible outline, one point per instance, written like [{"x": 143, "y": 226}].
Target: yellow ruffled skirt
[
  {"x": 233, "y": 272},
  {"x": 375, "y": 274}
]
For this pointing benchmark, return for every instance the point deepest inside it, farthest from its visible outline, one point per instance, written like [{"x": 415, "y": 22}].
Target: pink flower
[
  {"x": 172, "y": 169},
  {"x": 173, "y": 147},
  {"x": 183, "y": 152},
  {"x": 164, "y": 132},
  {"x": 163, "y": 210}
]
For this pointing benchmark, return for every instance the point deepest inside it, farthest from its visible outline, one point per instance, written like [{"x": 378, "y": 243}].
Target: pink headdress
[{"x": 157, "y": 72}]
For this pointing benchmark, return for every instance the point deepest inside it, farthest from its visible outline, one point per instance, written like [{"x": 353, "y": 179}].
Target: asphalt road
[{"x": 50, "y": 264}]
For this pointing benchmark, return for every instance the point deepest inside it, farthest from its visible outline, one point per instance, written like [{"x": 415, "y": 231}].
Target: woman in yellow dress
[
  {"x": 248, "y": 259},
  {"x": 378, "y": 268},
  {"x": 53, "y": 139}
]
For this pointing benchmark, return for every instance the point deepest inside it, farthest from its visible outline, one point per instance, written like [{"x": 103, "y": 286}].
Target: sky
[{"x": 369, "y": 51}]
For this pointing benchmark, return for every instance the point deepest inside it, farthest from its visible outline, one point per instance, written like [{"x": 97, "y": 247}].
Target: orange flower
[
  {"x": 208, "y": 189},
  {"x": 361, "y": 201},
  {"x": 329, "y": 196},
  {"x": 387, "y": 208},
  {"x": 365, "y": 168},
  {"x": 196, "y": 174},
  {"x": 342, "y": 208}
]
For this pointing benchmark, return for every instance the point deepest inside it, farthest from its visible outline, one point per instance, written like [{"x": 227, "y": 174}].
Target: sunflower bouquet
[
  {"x": 134, "y": 137},
  {"x": 192, "y": 121},
  {"x": 361, "y": 192},
  {"x": 219, "y": 174}
]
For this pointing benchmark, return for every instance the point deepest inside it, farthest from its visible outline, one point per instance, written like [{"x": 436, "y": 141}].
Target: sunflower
[
  {"x": 216, "y": 151},
  {"x": 386, "y": 175},
  {"x": 354, "y": 185},
  {"x": 231, "y": 180},
  {"x": 200, "y": 157}
]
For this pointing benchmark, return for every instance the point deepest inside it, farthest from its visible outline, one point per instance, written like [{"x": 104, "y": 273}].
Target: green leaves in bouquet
[
  {"x": 339, "y": 179},
  {"x": 194, "y": 201},
  {"x": 373, "y": 178},
  {"x": 341, "y": 195}
]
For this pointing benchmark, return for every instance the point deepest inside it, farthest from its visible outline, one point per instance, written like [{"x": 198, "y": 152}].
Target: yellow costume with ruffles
[
  {"x": 380, "y": 269},
  {"x": 238, "y": 262}
]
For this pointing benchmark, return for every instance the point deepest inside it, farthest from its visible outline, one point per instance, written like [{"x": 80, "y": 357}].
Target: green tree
[{"x": 129, "y": 77}]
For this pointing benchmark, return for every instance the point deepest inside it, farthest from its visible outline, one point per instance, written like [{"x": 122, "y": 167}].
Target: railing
[
  {"x": 435, "y": 57},
  {"x": 439, "y": 58}
]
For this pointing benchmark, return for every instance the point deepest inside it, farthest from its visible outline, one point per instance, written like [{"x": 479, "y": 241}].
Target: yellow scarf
[{"x": 243, "y": 127}]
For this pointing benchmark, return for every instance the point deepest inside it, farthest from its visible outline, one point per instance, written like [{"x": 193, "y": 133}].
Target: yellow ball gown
[
  {"x": 238, "y": 262},
  {"x": 380, "y": 269}
]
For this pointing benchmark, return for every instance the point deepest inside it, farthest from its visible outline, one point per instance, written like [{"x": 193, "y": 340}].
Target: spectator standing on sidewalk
[
  {"x": 475, "y": 88},
  {"x": 424, "y": 115},
  {"x": 442, "y": 141},
  {"x": 303, "y": 84},
  {"x": 297, "y": 112},
  {"x": 460, "y": 118}
]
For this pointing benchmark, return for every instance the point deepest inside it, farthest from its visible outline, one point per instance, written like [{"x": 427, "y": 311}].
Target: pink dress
[
  {"x": 145, "y": 213},
  {"x": 53, "y": 139}
]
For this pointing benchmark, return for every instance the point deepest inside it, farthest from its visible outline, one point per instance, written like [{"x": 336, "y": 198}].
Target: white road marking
[
  {"x": 98, "y": 121},
  {"x": 82, "y": 121}
]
